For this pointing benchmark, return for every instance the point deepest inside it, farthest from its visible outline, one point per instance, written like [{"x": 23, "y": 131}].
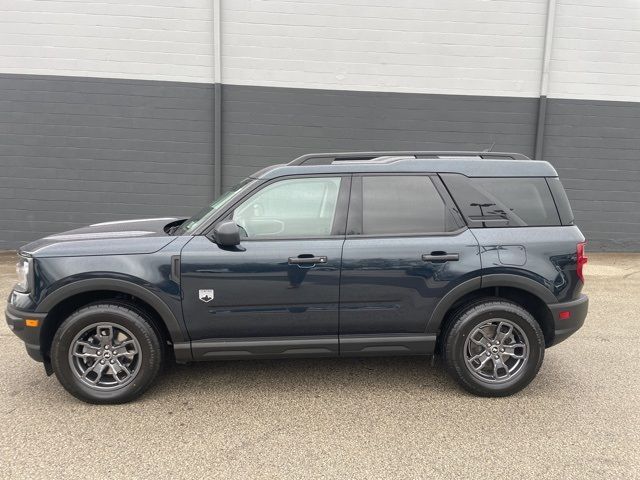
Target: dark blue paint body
[
  {"x": 386, "y": 287},
  {"x": 548, "y": 252},
  {"x": 257, "y": 293},
  {"x": 374, "y": 294},
  {"x": 65, "y": 275}
]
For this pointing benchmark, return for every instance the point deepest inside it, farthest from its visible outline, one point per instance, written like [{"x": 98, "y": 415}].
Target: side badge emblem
[{"x": 205, "y": 295}]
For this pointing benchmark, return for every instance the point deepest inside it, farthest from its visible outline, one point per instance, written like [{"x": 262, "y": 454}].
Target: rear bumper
[
  {"x": 17, "y": 321},
  {"x": 565, "y": 327}
]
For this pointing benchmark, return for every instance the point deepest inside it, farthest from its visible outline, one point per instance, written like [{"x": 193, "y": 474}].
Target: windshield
[{"x": 200, "y": 217}]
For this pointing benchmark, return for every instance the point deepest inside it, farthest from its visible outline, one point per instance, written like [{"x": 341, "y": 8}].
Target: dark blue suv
[{"x": 473, "y": 256}]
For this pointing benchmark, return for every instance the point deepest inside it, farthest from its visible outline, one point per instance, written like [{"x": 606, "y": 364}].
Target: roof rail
[{"x": 328, "y": 158}]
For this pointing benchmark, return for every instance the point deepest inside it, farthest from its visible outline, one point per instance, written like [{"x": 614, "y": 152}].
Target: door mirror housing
[{"x": 226, "y": 234}]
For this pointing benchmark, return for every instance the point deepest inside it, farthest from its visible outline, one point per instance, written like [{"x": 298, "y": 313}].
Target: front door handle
[
  {"x": 440, "y": 257},
  {"x": 306, "y": 260}
]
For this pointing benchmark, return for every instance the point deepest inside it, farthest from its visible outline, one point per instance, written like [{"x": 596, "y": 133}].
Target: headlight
[{"x": 24, "y": 272}]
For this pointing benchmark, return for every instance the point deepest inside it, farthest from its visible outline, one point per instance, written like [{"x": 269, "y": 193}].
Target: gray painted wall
[
  {"x": 595, "y": 146},
  {"x": 263, "y": 125},
  {"x": 77, "y": 150}
]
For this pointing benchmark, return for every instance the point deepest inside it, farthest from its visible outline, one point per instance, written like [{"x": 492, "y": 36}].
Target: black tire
[
  {"x": 466, "y": 320},
  {"x": 126, "y": 317}
]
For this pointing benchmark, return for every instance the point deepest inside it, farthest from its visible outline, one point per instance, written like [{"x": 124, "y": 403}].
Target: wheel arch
[
  {"x": 60, "y": 303},
  {"x": 525, "y": 292}
]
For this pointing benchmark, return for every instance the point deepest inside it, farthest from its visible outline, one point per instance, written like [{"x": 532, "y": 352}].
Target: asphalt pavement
[{"x": 349, "y": 418}]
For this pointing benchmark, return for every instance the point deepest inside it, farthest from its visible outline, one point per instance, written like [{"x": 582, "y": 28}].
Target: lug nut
[
  {"x": 106, "y": 347},
  {"x": 99, "y": 352},
  {"x": 101, "y": 362},
  {"x": 488, "y": 354},
  {"x": 502, "y": 349},
  {"x": 496, "y": 357},
  {"x": 112, "y": 361}
]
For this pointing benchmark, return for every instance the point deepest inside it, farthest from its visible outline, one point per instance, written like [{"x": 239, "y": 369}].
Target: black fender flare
[
  {"x": 178, "y": 335},
  {"x": 521, "y": 282},
  {"x": 492, "y": 280},
  {"x": 446, "y": 302}
]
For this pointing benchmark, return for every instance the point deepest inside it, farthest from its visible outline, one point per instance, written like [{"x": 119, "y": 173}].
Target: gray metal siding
[
  {"x": 264, "y": 125},
  {"x": 595, "y": 146},
  {"x": 75, "y": 151}
]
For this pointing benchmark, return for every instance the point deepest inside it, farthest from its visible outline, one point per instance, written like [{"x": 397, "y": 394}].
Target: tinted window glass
[
  {"x": 562, "y": 202},
  {"x": 401, "y": 204},
  {"x": 303, "y": 207},
  {"x": 500, "y": 202}
]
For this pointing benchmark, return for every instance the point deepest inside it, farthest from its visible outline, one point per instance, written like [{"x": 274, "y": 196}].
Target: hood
[{"x": 139, "y": 236}]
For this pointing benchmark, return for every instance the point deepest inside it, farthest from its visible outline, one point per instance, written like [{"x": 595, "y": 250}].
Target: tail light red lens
[{"x": 581, "y": 260}]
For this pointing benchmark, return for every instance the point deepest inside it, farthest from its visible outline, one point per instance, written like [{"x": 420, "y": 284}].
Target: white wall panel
[
  {"x": 456, "y": 47},
  {"x": 140, "y": 39},
  {"x": 470, "y": 47},
  {"x": 596, "y": 50}
]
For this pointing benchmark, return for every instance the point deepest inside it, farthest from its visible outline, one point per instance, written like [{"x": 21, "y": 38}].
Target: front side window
[
  {"x": 398, "y": 204},
  {"x": 301, "y": 207}
]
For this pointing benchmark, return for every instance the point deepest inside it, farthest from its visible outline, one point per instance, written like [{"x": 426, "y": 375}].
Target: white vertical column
[
  {"x": 544, "y": 78},
  {"x": 548, "y": 44},
  {"x": 217, "y": 42}
]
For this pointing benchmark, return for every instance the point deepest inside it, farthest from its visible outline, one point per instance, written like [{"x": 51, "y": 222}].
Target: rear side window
[
  {"x": 503, "y": 202},
  {"x": 397, "y": 204}
]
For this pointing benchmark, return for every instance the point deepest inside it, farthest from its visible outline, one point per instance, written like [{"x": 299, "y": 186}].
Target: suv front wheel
[
  {"x": 106, "y": 353},
  {"x": 494, "y": 347}
]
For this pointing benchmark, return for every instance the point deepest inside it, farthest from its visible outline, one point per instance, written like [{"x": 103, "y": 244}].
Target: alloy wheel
[
  {"x": 105, "y": 356},
  {"x": 496, "y": 351}
]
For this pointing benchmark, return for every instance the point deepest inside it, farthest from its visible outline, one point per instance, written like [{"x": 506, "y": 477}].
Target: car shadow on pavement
[{"x": 372, "y": 373}]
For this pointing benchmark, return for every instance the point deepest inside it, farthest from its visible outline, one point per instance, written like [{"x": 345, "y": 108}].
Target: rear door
[{"x": 406, "y": 247}]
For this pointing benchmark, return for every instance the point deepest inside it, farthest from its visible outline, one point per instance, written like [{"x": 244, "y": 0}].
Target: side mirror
[{"x": 227, "y": 234}]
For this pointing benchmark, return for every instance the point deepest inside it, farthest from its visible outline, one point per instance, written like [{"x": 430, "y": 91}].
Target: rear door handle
[
  {"x": 306, "y": 260},
  {"x": 440, "y": 257}
]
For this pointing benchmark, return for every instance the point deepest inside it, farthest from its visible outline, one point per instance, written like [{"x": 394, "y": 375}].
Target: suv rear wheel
[
  {"x": 106, "y": 353},
  {"x": 494, "y": 347}
]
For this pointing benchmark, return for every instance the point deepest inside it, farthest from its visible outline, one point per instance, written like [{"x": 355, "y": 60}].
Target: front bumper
[
  {"x": 17, "y": 321},
  {"x": 565, "y": 327}
]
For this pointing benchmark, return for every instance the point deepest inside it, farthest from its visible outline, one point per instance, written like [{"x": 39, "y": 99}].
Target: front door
[
  {"x": 278, "y": 293},
  {"x": 405, "y": 249}
]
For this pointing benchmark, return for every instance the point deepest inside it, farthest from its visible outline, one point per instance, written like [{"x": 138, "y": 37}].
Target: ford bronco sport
[{"x": 473, "y": 256}]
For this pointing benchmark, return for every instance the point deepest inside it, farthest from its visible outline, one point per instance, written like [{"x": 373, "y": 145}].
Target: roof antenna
[{"x": 490, "y": 148}]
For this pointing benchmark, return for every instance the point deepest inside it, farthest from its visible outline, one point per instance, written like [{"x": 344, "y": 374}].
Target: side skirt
[
  {"x": 249, "y": 348},
  {"x": 398, "y": 344},
  {"x": 310, "y": 347}
]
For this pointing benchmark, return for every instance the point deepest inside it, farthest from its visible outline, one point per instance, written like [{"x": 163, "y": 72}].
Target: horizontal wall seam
[{"x": 207, "y": 85}]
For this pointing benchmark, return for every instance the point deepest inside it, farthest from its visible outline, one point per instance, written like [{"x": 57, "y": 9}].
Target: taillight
[{"x": 581, "y": 260}]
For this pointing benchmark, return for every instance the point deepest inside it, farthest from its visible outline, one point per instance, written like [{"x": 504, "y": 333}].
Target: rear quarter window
[
  {"x": 504, "y": 201},
  {"x": 562, "y": 202}
]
